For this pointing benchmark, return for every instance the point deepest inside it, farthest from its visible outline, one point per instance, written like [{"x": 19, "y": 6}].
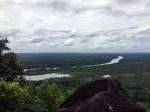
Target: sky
[{"x": 76, "y": 25}]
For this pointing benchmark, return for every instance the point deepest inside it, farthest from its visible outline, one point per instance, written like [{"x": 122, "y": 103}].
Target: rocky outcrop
[{"x": 102, "y": 95}]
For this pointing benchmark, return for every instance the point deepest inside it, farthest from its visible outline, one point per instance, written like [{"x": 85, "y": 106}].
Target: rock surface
[{"x": 102, "y": 95}]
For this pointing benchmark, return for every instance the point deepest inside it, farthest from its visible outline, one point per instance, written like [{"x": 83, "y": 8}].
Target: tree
[
  {"x": 13, "y": 98},
  {"x": 10, "y": 70},
  {"x": 3, "y": 46},
  {"x": 52, "y": 95}
]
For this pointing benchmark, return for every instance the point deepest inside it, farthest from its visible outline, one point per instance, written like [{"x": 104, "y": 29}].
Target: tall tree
[
  {"x": 10, "y": 70},
  {"x": 15, "y": 97},
  {"x": 3, "y": 45}
]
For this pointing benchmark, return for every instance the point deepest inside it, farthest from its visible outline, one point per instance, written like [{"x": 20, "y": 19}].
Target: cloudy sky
[{"x": 76, "y": 25}]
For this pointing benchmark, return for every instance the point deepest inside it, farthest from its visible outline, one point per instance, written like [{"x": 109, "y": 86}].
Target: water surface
[{"x": 45, "y": 76}]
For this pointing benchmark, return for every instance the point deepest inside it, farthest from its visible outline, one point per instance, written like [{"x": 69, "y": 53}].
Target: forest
[{"x": 20, "y": 95}]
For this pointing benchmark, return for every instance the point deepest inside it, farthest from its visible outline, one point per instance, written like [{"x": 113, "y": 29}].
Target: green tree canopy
[
  {"x": 10, "y": 70},
  {"x": 13, "y": 98},
  {"x": 3, "y": 45}
]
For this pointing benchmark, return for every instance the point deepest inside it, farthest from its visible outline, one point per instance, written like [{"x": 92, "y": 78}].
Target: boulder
[{"x": 102, "y": 95}]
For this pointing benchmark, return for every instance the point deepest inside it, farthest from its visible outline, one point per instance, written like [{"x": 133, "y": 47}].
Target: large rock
[{"x": 103, "y": 95}]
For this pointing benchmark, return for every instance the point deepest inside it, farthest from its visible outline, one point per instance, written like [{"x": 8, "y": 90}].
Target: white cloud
[
  {"x": 81, "y": 25},
  {"x": 69, "y": 42}
]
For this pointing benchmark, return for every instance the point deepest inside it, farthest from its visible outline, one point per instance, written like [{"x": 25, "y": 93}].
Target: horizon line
[{"x": 75, "y": 52}]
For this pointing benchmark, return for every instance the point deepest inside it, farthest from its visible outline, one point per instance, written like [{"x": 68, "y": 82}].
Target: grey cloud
[
  {"x": 44, "y": 31},
  {"x": 93, "y": 34},
  {"x": 127, "y": 1},
  {"x": 113, "y": 11},
  {"x": 40, "y": 23},
  {"x": 60, "y": 5},
  {"x": 116, "y": 39},
  {"x": 145, "y": 31},
  {"x": 114, "y": 35},
  {"x": 36, "y": 40},
  {"x": 61, "y": 31},
  {"x": 66, "y": 6},
  {"x": 40, "y": 32},
  {"x": 84, "y": 40},
  {"x": 12, "y": 32},
  {"x": 118, "y": 35},
  {"x": 135, "y": 27}
]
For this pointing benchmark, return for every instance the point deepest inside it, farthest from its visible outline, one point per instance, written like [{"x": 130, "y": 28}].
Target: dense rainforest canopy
[{"x": 19, "y": 95}]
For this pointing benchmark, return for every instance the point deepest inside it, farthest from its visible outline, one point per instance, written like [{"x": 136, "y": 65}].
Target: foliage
[
  {"x": 133, "y": 72},
  {"x": 26, "y": 97},
  {"x": 13, "y": 97},
  {"x": 16, "y": 99},
  {"x": 3, "y": 46},
  {"x": 10, "y": 70},
  {"x": 50, "y": 93}
]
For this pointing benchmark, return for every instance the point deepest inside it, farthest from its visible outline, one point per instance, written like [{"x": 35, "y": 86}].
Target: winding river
[{"x": 59, "y": 75}]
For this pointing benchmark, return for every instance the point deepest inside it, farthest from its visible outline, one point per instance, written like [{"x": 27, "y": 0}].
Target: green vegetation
[
  {"x": 10, "y": 70},
  {"x": 18, "y": 95},
  {"x": 16, "y": 99},
  {"x": 133, "y": 72},
  {"x": 51, "y": 94}
]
